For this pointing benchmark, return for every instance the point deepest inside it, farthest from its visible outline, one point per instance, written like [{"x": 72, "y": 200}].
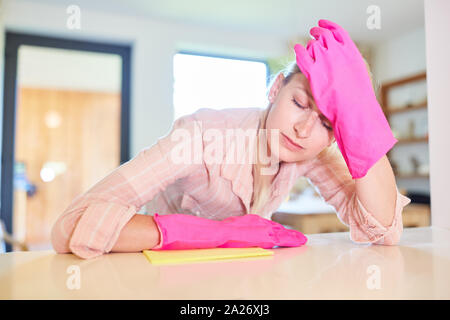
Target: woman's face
[{"x": 304, "y": 124}]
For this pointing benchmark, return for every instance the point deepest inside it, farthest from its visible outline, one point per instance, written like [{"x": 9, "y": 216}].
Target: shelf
[
  {"x": 422, "y": 105},
  {"x": 413, "y": 176},
  {"x": 391, "y": 110},
  {"x": 412, "y": 140}
]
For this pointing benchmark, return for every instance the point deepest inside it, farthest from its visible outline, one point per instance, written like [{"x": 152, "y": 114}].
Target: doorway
[{"x": 65, "y": 126}]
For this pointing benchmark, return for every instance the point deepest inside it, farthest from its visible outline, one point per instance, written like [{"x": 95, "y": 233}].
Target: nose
[{"x": 306, "y": 124}]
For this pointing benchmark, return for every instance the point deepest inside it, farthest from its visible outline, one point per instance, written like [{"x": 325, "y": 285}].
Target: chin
[{"x": 289, "y": 156}]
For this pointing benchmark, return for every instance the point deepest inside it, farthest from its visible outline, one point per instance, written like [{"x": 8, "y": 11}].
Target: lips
[{"x": 292, "y": 142}]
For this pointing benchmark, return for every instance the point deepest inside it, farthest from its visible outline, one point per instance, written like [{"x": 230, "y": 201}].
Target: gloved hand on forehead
[{"x": 342, "y": 89}]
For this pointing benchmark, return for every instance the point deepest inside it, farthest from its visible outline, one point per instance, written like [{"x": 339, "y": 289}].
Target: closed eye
[
  {"x": 298, "y": 104},
  {"x": 303, "y": 107}
]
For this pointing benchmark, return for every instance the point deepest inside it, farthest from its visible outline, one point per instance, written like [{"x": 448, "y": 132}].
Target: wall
[
  {"x": 437, "y": 26},
  {"x": 400, "y": 56}
]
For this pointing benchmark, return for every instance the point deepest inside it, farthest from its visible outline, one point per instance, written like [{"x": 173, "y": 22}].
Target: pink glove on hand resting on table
[
  {"x": 342, "y": 89},
  {"x": 182, "y": 231}
]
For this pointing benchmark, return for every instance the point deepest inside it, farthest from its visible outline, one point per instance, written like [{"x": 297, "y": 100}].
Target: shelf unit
[{"x": 391, "y": 110}]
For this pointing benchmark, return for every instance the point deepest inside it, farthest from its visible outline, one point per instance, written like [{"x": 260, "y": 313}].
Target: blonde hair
[{"x": 262, "y": 183}]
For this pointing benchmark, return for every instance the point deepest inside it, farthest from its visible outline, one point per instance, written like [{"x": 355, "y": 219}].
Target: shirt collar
[{"x": 241, "y": 174}]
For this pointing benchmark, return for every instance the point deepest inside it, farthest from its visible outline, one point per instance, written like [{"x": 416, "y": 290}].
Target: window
[{"x": 217, "y": 83}]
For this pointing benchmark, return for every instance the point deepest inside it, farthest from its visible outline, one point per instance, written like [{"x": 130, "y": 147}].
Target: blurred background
[{"x": 87, "y": 84}]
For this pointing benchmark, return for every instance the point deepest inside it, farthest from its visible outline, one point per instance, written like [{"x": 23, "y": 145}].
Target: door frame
[{"x": 13, "y": 41}]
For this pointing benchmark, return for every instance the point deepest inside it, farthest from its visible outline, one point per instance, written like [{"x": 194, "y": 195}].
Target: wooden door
[{"x": 74, "y": 133}]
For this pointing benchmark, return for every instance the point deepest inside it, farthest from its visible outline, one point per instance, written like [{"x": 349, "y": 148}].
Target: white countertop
[{"x": 329, "y": 266}]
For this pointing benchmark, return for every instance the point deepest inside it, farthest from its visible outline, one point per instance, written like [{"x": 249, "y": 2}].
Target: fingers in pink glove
[
  {"x": 323, "y": 36},
  {"x": 281, "y": 236},
  {"x": 310, "y": 47},
  {"x": 284, "y": 237},
  {"x": 304, "y": 59},
  {"x": 339, "y": 33},
  {"x": 319, "y": 34},
  {"x": 316, "y": 50},
  {"x": 307, "y": 57}
]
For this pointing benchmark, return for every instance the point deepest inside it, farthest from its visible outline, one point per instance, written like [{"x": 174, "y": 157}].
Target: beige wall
[{"x": 437, "y": 28}]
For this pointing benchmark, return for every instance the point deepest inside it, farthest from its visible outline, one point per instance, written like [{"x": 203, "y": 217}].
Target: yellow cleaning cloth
[{"x": 159, "y": 257}]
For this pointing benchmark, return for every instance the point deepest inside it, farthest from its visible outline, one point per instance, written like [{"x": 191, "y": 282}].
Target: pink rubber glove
[
  {"x": 342, "y": 89},
  {"x": 181, "y": 231}
]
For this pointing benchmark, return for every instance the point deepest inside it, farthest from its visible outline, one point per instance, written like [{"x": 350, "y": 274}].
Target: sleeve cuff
[
  {"x": 159, "y": 245},
  {"x": 370, "y": 230}
]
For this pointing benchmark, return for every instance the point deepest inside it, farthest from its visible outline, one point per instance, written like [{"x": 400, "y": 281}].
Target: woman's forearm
[
  {"x": 140, "y": 233},
  {"x": 377, "y": 191}
]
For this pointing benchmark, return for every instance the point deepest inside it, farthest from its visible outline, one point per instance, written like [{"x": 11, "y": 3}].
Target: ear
[{"x": 276, "y": 87}]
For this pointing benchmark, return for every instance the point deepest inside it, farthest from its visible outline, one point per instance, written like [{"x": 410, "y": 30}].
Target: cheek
[
  {"x": 321, "y": 139},
  {"x": 272, "y": 119},
  {"x": 272, "y": 122},
  {"x": 323, "y": 135},
  {"x": 279, "y": 114}
]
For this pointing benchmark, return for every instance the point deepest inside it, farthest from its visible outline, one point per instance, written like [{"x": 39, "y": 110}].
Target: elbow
[
  {"x": 392, "y": 237},
  {"x": 85, "y": 252},
  {"x": 383, "y": 236},
  {"x": 59, "y": 238},
  {"x": 63, "y": 240},
  {"x": 90, "y": 231},
  {"x": 394, "y": 231}
]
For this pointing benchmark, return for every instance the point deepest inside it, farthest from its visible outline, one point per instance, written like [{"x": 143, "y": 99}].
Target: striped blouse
[{"x": 155, "y": 181}]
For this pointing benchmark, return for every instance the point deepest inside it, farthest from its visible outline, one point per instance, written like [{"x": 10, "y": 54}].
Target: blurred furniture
[
  {"x": 416, "y": 215},
  {"x": 313, "y": 215},
  {"x": 19, "y": 219},
  {"x": 310, "y": 223},
  {"x": 412, "y": 105},
  {"x": 410, "y": 137},
  {"x": 308, "y": 213},
  {"x": 5, "y": 237}
]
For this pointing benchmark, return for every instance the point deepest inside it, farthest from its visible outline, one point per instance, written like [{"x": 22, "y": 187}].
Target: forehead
[{"x": 299, "y": 82}]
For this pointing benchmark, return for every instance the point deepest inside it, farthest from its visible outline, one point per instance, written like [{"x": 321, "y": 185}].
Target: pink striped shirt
[{"x": 91, "y": 224}]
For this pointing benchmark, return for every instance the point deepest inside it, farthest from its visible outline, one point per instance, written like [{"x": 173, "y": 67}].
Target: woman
[{"x": 200, "y": 204}]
